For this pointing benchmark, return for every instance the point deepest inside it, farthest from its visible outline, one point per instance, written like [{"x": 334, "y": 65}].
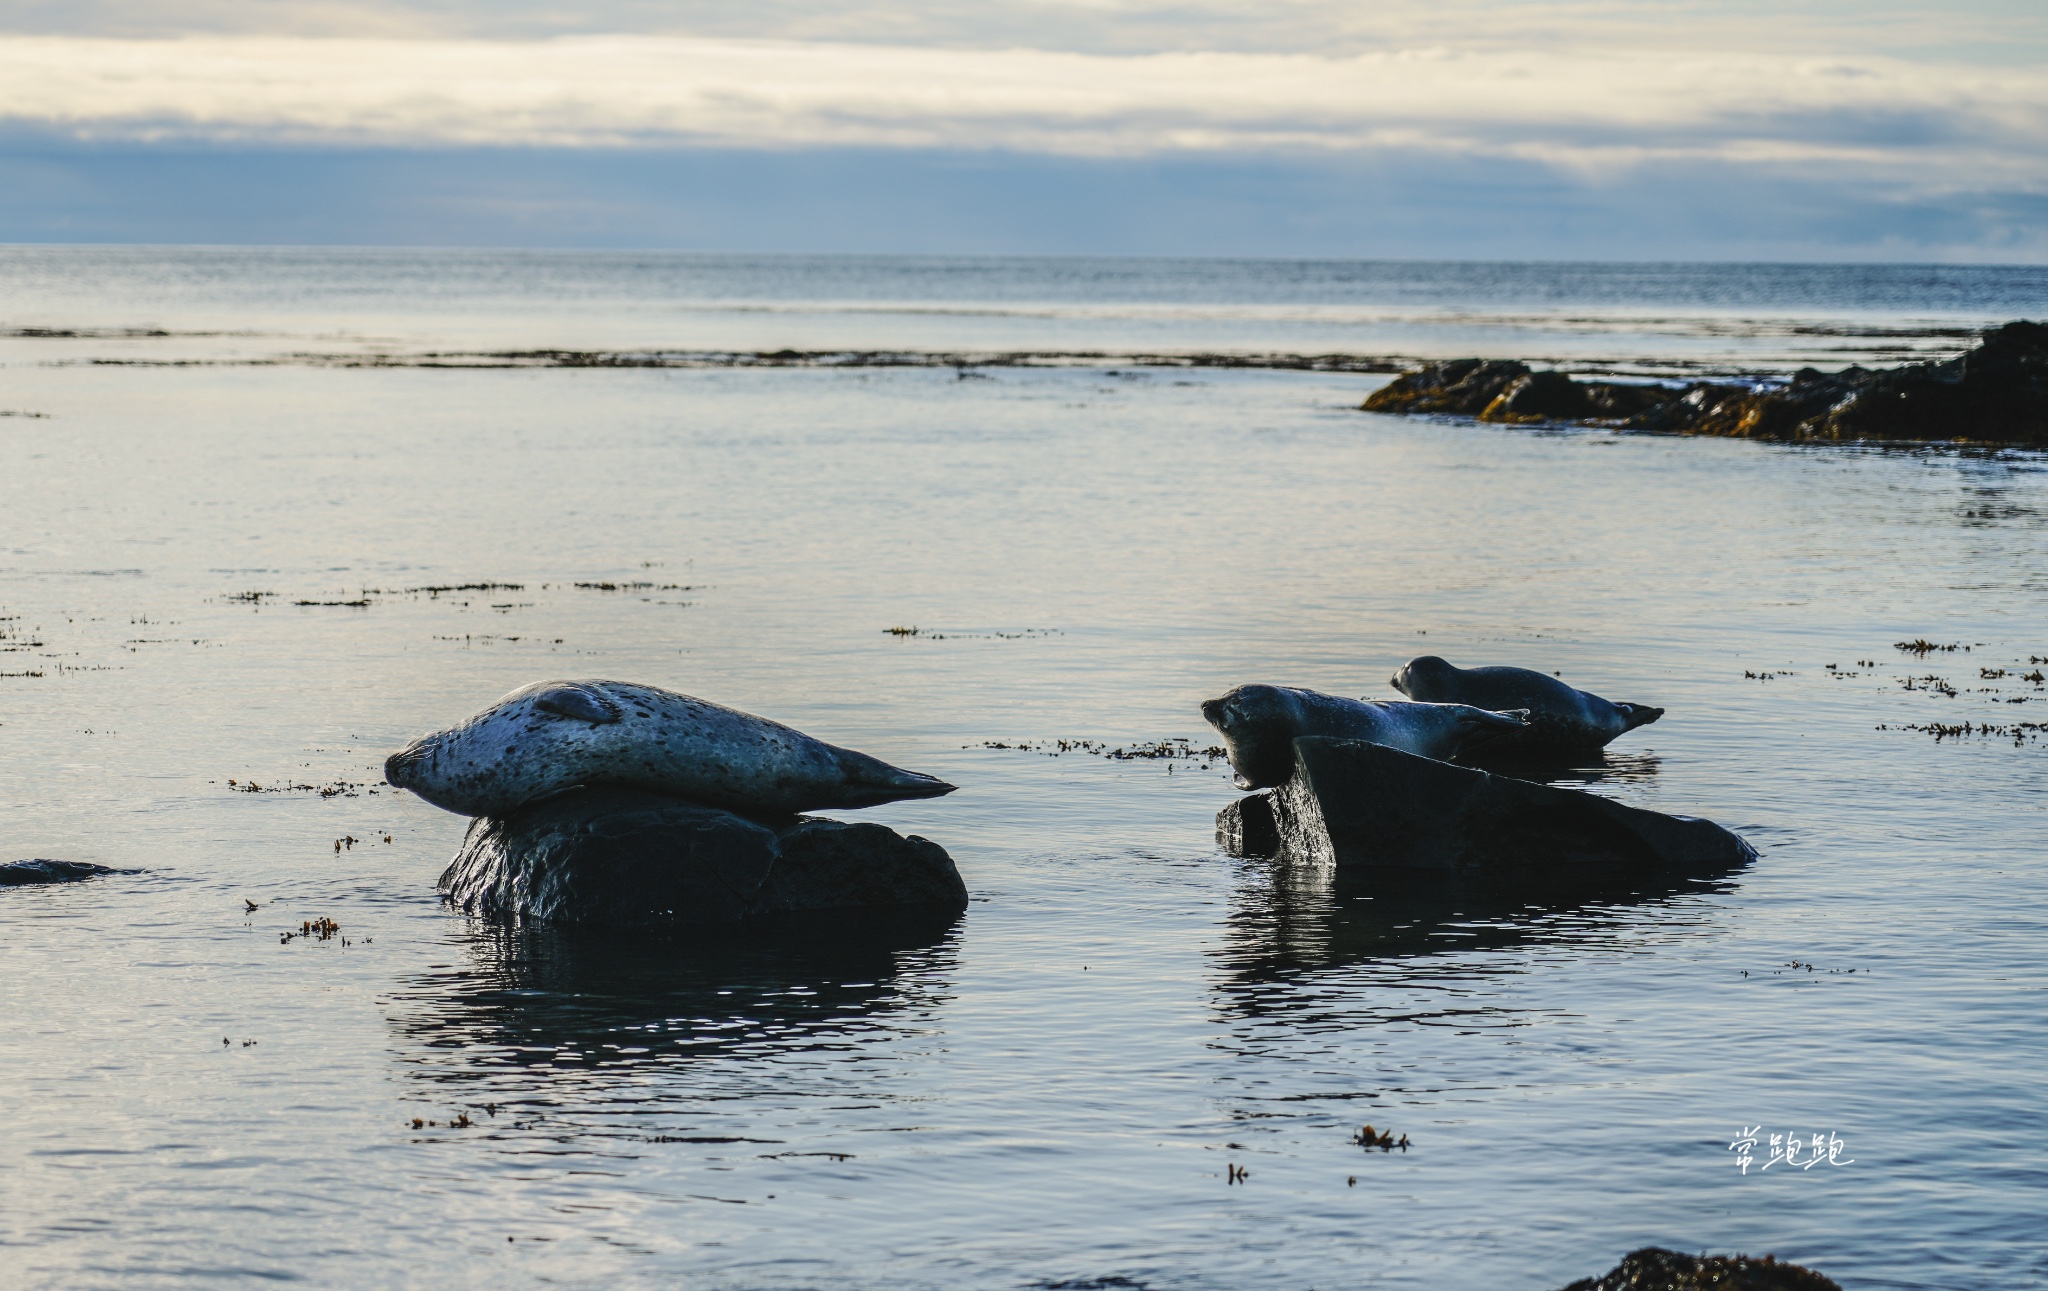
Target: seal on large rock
[
  {"x": 555, "y": 735},
  {"x": 1261, "y": 723},
  {"x": 1561, "y": 718}
]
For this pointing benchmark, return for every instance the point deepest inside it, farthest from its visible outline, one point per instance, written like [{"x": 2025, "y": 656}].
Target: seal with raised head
[
  {"x": 1561, "y": 718},
  {"x": 1261, "y": 723},
  {"x": 556, "y": 735}
]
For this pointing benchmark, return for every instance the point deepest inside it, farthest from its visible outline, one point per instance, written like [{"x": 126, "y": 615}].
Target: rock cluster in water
[
  {"x": 626, "y": 857},
  {"x": 1355, "y": 805},
  {"x": 20, "y": 874},
  {"x": 1655, "y": 1269},
  {"x": 1996, "y": 393}
]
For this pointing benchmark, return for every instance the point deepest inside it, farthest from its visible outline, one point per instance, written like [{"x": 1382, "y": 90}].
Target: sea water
[{"x": 256, "y": 536}]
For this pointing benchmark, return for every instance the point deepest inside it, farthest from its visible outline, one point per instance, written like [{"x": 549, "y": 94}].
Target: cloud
[
  {"x": 898, "y": 200},
  {"x": 1590, "y": 111}
]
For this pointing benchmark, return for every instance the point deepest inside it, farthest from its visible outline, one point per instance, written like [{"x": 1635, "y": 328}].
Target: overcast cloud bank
[{"x": 1561, "y": 146}]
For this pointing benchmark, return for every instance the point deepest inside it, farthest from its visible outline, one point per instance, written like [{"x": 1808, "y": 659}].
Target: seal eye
[{"x": 577, "y": 702}]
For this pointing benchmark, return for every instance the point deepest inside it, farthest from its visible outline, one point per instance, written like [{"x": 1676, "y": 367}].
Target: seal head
[
  {"x": 1260, "y": 724},
  {"x": 1562, "y": 719},
  {"x": 555, "y": 735}
]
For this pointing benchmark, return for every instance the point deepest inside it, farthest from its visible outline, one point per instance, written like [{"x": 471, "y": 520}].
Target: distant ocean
[{"x": 1652, "y": 319}]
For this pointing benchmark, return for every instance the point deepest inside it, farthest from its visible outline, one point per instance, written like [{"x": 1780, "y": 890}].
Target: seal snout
[{"x": 401, "y": 769}]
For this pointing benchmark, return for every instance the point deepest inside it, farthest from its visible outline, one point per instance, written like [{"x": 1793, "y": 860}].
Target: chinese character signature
[{"x": 1804, "y": 1152}]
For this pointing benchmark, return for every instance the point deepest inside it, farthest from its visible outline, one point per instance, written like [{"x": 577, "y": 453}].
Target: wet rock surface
[
  {"x": 624, "y": 857},
  {"x": 19, "y": 874},
  {"x": 1997, "y": 393},
  {"x": 1655, "y": 1269},
  {"x": 1354, "y": 805}
]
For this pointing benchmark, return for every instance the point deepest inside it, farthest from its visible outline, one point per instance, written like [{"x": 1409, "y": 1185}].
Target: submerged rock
[
  {"x": 1655, "y": 1269},
  {"x": 616, "y": 856},
  {"x": 17, "y": 874},
  {"x": 1355, "y": 805},
  {"x": 1996, "y": 393}
]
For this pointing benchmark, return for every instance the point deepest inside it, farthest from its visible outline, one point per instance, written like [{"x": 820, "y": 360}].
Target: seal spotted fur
[
  {"x": 1260, "y": 724},
  {"x": 1561, "y": 718},
  {"x": 556, "y": 735}
]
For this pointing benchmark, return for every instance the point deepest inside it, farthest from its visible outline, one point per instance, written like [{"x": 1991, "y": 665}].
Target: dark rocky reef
[
  {"x": 1357, "y": 806},
  {"x": 1995, "y": 394},
  {"x": 19, "y": 874},
  {"x": 624, "y": 857},
  {"x": 1655, "y": 1269}
]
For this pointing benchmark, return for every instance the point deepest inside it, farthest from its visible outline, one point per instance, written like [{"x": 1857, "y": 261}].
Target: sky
[{"x": 1587, "y": 129}]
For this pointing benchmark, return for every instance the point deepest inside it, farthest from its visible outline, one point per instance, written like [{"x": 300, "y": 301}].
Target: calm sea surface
[{"x": 219, "y": 555}]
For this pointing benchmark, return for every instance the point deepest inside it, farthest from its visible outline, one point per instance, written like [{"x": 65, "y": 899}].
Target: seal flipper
[
  {"x": 872, "y": 782},
  {"x": 1638, "y": 714},
  {"x": 1481, "y": 727},
  {"x": 580, "y": 703}
]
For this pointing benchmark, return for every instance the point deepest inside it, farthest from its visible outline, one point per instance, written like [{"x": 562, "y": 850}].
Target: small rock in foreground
[
  {"x": 1352, "y": 805},
  {"x": 18, "y": 874},
  {"x": 624, "y": 857},
  {"x": 1654, "y": 1269}
]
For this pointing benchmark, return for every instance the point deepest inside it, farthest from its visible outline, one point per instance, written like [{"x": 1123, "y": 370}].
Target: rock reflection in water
[
  {"x": 576, "y": 1027},
  {"x": 1290, "y": 919}
]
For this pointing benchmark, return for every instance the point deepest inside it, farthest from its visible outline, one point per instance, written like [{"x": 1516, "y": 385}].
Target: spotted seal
[
  {"x": 1561, "y": 719},
  {"x": 1260, "y": 724},
  {"x": 556, "y": 735}
]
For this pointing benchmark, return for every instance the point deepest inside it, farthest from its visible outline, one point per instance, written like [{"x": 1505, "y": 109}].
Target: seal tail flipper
[
  {"x": 1638, "y": 714},
  {"x": 871, "y": 781},
  {"x": 1508, "y": 719},
  {"x": 1483, "y": 726}
]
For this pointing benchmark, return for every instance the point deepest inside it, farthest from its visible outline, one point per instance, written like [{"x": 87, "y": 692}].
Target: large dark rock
[
  {"x": 1540, "y": 396},
  {"x": 625, "y": 857},
  {"x": 1996, "y": 393},
  {"x": 1655, "y": 1269},
  {"x": 1354, "y": 805},
  {"x": 17, "y": 874},
  {"x": 1459, "y": 387}
]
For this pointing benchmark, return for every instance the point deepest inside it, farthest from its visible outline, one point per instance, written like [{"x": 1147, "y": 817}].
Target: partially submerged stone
[
  {"x": 1997, "y": 393},
  {"x": 18, "y": 874},
  {"x": 615, "y": 856},
  {"x": 1655, "y": 1269},
  {"x": 1355, "y": 805},
  {"x": 1246, "y": 827},
  {"x": 1457, "y": 387}
]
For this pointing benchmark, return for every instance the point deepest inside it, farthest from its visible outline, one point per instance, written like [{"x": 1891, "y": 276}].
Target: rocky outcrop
[
  {"x": 624, "y": 857},
  {"x": 1655, "y": 1269},
  {"x": 19, "y": 874},
  {"x": 1354, "y": 806},
  {"x": 1996, "y": 393},
  {"x": 1457, "y": 387}
]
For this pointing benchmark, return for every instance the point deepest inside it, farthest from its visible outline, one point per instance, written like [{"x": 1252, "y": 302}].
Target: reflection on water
[
  {"x": 1288, "y": 920},
  {"x": 538, "y": 1014}
]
